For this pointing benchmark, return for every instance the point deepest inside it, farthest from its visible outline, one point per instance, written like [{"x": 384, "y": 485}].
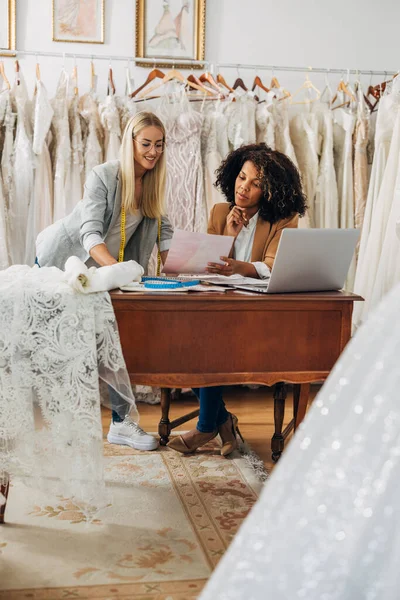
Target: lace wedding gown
[
  {"x": 265, "y": 124},
  {"x": 56, "y": 343},
  {"x": 326, "y": 524},
  {"x": 110, "y": 121},
  {"x": 186, "y": 206},
  {"x": 92, "y": 132},
  {"x": 77, "y": 161}
]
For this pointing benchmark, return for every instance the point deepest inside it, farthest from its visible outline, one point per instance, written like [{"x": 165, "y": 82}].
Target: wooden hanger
[
  {"x": 277, "y": 86},
  {"x": 111, "y": 85},
  {"x": 275, "y": 83},
  {"x": 208, "y": 78},
  {"x": 342, "y": 88},
  {"x": 240, "y": 83},
  {"x": 172, "y": 75},
  {"x": 258, "y": 83},
  {"x": 307, "y": 86},
  {"x": 17, "y": 77},
  {"x": 222, "y": 81},
  {"x": 75, "y": 78},
  {"x": 93, "y": 77},
  {"x": 4, "y": 76},
  {"x": 154, "y": 74},
  {"x": 193, "y": 79},
  {"x": 37, "y": 72}
]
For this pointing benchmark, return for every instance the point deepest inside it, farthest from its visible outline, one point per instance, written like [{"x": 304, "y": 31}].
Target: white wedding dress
[
  {"x": 343, "y": 128},
  {"x": 92, "y": 132},
  {"x": 7, "y": 120},
  {"x": 61, "y": 146},
  {"x": 304, "y": 135},
  {"x": 326, "y": 526},
  {"x": 241, "y": 116},
  {"x": 56, "y": 343},
  {"x": 388, "y": 128},
  {"x": 326, "y": 203},
  {"x": 186, "y": 205},
  {"x": 41, "y": 207},
  {"x": 77, "y": 172},
  {"x": 4, "y": 252},
  {"x": 23, "y": 174},
  {"x": 110, "y": 121},
  {"x": 4, "y": 256},
  {"x": 265, "y": 123},
  {"x": 214, "y": 148}
]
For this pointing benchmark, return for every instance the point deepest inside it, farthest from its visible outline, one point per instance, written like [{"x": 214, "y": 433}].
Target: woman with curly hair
[{"x": 264, "y": 196}]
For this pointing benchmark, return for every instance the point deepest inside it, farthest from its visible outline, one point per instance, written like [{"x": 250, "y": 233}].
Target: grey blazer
[{"x": 96, "y": 213}]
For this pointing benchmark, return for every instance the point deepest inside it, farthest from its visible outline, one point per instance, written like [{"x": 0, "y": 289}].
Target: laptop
[{"x": 311, "y": 260}]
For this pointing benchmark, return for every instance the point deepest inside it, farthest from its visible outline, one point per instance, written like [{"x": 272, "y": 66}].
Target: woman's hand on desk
[
  {"x": 235, "y": 221},
  {"x": 233, "y": 267}
]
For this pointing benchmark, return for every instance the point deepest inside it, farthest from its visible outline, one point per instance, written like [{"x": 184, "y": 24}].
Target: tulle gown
[{"x": 326, "y": 526}]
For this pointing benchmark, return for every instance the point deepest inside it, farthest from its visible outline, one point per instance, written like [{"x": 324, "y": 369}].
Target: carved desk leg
[
  {"x": 278, "y": 441},
  {"x": 296, "y": 398},
  {"x": 4, "y": 490},
  {"x": 164, "y": 426},
  {"x": 302, "y": 402}
]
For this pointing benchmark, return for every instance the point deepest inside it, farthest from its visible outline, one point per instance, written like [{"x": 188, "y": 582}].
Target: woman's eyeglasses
[{"x": 144, "y": 145}]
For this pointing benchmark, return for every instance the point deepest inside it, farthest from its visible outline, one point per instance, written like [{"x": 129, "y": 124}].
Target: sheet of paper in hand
[{"x": 190, "y": 251}]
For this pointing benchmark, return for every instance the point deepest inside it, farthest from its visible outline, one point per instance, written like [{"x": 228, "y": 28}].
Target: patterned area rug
[{"x": 170, "y": 520}]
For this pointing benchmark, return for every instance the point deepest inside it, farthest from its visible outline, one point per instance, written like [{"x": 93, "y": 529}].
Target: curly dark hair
[{"x": 283, "y": 195}]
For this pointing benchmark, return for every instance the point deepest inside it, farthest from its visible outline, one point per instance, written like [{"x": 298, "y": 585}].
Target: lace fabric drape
[
  {"x": 54, "y": 345},
  {"x": 326, "y": 525}
]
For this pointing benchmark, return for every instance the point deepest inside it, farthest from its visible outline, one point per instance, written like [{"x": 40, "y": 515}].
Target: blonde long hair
[{"x": 153, "y": 190}]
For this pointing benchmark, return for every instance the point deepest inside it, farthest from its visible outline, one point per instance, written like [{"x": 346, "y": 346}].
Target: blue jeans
[
  {"x": 116, "y": 400},
  {"x": 213, "y": 412}
]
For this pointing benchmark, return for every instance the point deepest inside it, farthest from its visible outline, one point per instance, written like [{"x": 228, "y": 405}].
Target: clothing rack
[
  {"x": 305, "y": 69},
  {"x": 206, "y": 63}
]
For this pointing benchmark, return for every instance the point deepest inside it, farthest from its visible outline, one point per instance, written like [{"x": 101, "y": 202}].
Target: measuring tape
[
  {"x": 165, "y": 283},
  {"x": 123, "y": 240}
]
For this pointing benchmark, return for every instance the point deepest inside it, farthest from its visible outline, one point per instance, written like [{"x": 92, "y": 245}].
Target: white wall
[{"x": 334, "y": 34}]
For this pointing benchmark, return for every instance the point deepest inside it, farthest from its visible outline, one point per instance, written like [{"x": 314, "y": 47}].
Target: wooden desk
[
  {"x": 204, "y": 339},
  {"x": 193, "y": 340}
]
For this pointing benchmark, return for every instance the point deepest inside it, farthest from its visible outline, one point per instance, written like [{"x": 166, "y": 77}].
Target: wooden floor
[{"x": 253, "y": 407}]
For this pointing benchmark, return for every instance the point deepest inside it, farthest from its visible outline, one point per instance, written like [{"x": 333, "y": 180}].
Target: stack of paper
[{"x": 191, "y": 252}]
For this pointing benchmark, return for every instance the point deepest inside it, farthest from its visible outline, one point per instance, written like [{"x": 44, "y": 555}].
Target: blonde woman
[{"x": 118, "y": 219}]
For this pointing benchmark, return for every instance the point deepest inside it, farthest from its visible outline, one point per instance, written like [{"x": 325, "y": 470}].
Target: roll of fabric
[{"x": 89, "y": 280}]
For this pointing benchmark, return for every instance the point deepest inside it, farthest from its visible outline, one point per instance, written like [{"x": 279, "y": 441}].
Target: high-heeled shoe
[
  {"x": 190, "y": 441},
  {"x": 227, "y": 432}
]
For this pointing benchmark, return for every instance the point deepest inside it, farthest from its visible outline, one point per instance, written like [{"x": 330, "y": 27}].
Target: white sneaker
[{"x": 128, "y": 433}]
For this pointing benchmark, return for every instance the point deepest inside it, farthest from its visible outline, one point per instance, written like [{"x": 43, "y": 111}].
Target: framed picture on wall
[
  {"x": 173, "y": 29},
  {"x": 7, "y": 26},
  {"x": 78, "y": 21}
]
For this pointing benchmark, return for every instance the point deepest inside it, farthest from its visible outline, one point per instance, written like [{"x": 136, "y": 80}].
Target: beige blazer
[{"x": 266, "y": 236}]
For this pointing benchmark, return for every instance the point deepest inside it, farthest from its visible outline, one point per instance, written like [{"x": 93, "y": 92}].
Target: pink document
[{"x": 190, "y": 252}]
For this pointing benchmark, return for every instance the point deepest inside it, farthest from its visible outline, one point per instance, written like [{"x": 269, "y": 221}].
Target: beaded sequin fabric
[{"x": 326, "y": 525}]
